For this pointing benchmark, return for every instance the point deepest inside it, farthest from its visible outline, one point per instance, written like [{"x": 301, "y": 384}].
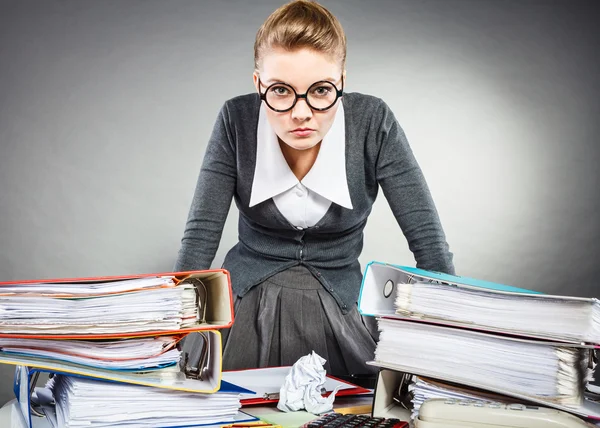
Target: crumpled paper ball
[{"x": 302, "y": 387}]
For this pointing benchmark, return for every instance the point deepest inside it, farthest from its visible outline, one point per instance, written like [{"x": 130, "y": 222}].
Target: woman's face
[{"x": 301, "y": 127}]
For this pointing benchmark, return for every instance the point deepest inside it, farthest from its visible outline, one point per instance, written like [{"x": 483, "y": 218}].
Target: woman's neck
[{"x": 300, "y": 161}]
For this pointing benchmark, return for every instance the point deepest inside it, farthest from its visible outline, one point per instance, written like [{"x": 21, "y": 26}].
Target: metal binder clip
[
  {"x": 198, "y": 369},
  {"x": 592, "y": 359},
  {"x": 275, "y": 395},
  {"x": 33, "y": 407},
  {"x": 201, "y": 296},
  {"x": 402, "y": 395}
]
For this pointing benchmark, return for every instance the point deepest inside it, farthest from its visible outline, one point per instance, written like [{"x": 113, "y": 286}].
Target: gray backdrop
[{"x": 106, "y": 107}]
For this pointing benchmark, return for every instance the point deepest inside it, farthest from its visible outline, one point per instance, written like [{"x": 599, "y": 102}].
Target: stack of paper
[
  {"x": 554, "y": 317},
  {"x": 191, "y": 375},
  {"x": 531, "y": 368},
  {"x": 121, "y": 354},
  {"x": 422, "y": 389},
  {"x": 135, "y": 305},
  {"x": 128, "y": 352},
  {"x": 498, "y": 338},
  {"x": 91, "y": 403}
]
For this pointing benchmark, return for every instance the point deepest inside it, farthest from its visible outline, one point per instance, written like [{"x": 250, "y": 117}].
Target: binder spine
[{"x": 595, "y": 333}]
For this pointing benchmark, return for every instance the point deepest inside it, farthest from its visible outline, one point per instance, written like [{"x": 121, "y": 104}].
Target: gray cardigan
[{"x": 377, "y": 154}]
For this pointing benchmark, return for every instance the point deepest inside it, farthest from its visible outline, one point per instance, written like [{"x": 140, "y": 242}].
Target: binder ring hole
[{"x": 388, "y": 288}]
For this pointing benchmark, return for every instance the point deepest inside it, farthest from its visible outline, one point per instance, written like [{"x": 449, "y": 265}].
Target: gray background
[{"x": 106, "y": 107}]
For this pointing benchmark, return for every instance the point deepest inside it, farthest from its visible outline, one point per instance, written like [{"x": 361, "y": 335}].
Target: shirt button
[
  {"x": 299, "y": 193},
  {"x": 299, "y": 227}
]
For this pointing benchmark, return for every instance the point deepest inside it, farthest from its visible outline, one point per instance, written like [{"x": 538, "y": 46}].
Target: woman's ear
[{"x": 255, "y": 78}]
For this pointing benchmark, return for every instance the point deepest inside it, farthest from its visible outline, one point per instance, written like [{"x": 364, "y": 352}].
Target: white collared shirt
[{"x": 302, "y": 203}]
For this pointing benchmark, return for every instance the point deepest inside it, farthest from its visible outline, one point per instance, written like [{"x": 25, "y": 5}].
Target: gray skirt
[{"x": 290, "y": 315}]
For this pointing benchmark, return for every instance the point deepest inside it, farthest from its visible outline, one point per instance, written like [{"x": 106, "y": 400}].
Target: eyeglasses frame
[{"x": 263, "y": 96}]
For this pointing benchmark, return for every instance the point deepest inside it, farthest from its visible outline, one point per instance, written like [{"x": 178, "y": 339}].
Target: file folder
[
  {"x": 26, "y": 379},
  {"x": 429, "y": 365},
  {"x": 391, "y": 376},
  {"x": 379, "y": 287},
  {"x": 134, "y": 355},
  {"x": 377, "y": 290},
  {"x": 216, "y": 313},
  {"x": 265, "y": 383},
  {"x": 183, "y": 378},
  {"x": 384, "y": 404},
  {"x": 378, "y": 295}
]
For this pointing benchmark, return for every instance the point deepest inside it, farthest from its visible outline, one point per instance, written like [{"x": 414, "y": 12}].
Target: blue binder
[
  {"x": 25, "y": 383},
  {"x": 379, "y": 280}
]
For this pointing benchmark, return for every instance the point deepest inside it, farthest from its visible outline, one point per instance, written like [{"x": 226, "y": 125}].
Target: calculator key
[{"x": 337, "y": 420}]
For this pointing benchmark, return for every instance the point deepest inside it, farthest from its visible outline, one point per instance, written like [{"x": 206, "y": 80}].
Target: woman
[{"x": 304, "y": 162}]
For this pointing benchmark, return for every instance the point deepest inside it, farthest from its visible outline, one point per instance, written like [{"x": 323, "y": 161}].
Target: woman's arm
[
  {"x": 406, "y": 190},
  {"x": 212, "y": 199}
]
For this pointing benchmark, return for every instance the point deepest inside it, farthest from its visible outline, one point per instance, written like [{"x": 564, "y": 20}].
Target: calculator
[{"x": 337, "y": 420}]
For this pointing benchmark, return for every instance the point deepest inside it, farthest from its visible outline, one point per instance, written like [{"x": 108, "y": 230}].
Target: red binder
[
  {"x": 218, "y": 301},
  {"x": 266, "y": 382}
]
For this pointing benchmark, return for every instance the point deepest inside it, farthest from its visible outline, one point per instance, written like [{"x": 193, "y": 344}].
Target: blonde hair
[{"x": 301, "y": 24}]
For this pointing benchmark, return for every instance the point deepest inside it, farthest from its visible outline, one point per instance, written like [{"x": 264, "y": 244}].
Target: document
[
  {"x": 200, "y": 372},
  {"x": 501, "y": 339},
  {"x": 267, "y": 382},
  {"x": 123, "y": 354},
  {"x": 422, "y": 389},
  {"x": 538, "y": 315},
  {"x": 86, "y": 402},
  {"x": 531, "y": 368},
  {"x": 86, "y": 289},
  {"x": 114, "y": 307}
]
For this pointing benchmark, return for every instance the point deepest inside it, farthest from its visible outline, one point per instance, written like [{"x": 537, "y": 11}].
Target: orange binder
[{"x": 213, "y": 297}]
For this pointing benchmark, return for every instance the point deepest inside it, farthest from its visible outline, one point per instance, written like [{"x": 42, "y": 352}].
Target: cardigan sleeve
[
  {"x": 408, "y": 195},
  {"x": 211, "y": 201}
]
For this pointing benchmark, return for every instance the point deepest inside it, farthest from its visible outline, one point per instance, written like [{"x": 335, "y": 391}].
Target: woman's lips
[{"x": 302, "y": 132}]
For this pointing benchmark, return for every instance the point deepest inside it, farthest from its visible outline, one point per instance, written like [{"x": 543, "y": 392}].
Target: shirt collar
[{"x": 327, "y": 177}]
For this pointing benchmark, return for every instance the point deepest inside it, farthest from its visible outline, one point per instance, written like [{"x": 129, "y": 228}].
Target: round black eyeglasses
[{"x": 320, "y": 96}]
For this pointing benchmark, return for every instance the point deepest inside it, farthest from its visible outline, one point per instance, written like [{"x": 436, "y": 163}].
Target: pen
[{"x": 252, "y": 425}]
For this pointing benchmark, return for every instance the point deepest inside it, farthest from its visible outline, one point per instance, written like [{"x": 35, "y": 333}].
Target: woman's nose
[{"x": 301, "y": 110}]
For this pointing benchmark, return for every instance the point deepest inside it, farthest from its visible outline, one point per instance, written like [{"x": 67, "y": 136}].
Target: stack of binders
[
  {"x": 443, "y": 336},
  {"x": 128, "y": 351}
]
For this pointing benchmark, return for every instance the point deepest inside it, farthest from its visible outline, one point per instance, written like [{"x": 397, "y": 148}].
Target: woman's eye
[
  {"x": 322, "y": 90},
  {"x": 280, "y": 90}
]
